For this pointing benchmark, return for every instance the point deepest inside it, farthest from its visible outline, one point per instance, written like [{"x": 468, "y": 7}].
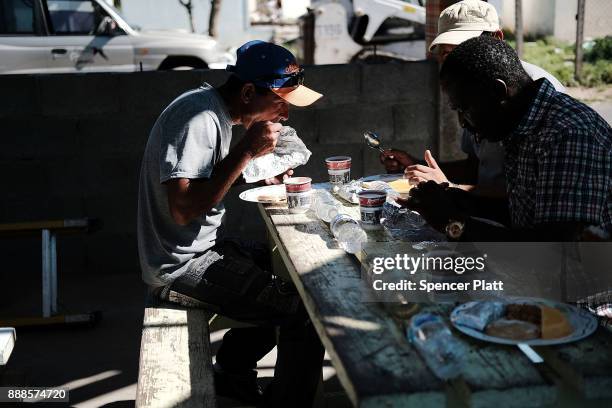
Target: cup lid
[
  {"x": 338, "y": 158},
  {"x": 372, "y": 194},
  {"x": 297, "y": 180}
]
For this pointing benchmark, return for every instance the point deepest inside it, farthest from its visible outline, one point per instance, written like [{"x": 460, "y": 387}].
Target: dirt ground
[
  {"x": 599, "y": 94},
  {"x": 599, "y": 99}
]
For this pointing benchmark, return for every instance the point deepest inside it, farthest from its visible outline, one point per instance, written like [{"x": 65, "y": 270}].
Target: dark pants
[{"x": 234, "y": 278}]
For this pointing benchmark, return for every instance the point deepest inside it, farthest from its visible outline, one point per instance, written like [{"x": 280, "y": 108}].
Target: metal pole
[
  {"x": 518, "y": 26},
  {"x": 579, "y": 39},
  {"x": 213, "y": 18},
  {"x": 46, "y": 273},
  {"x": 53, "y": 280}
]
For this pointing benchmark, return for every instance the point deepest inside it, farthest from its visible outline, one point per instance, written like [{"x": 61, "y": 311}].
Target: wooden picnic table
[{"x": 376, "y": 364}]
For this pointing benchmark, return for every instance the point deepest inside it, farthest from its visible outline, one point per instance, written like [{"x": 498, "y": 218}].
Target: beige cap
[
  {"x": 464, "y": 20},
  {"x": 298, "y": 95}
]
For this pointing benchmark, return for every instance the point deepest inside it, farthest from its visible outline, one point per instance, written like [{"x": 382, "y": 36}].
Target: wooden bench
[
  {"x": 175, "y": 353},
  {"x": 175, "y": 357}
]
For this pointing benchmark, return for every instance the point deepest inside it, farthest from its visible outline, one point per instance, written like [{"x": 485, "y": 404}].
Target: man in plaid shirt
[{"x": 558, "y": 151}]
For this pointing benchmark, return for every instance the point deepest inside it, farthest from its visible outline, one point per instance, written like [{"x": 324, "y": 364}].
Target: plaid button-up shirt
[{"x": 558, "y": 163}]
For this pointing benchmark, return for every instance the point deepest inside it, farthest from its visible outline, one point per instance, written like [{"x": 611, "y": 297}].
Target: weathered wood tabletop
[{"x": 378, "y": 367}]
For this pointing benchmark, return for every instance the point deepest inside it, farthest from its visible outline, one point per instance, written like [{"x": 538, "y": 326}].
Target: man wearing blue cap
[{"x": 187, "y": 170}]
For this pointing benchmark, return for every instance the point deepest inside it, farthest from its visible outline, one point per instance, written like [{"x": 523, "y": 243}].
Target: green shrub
[
  {"x": 601, "y": 50},
  {"x": 597, "y": 74},
  {"x": 558, "y": 58}
]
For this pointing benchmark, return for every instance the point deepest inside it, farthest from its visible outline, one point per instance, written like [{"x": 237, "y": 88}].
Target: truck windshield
[{"x": 120, "y": 14}]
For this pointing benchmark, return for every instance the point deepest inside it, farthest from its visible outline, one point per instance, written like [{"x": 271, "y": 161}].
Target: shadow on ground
[{"x": 99, "y": 364}]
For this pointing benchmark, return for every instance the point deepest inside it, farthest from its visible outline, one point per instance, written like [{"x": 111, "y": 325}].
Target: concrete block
[
  {"x": 109, "y": 136},
  {"x": 24, "y": 177},
  {"x": 346, "y": 123},
  {"x": 135, "y": 133},
  {"x": 215, "y": 77},
  {"x": 450, "y": 132},
  {"x": 38, "y": 137},
  {"x": 117, "y": 212},
  {"x": 371, "y": 162},
  {"x": 79, "y": 94},
  {"x": 415, "y": 128},
  {"x": 41, "y": 205},
  {"x": 19, "y": 96},
  {"x": 409, "y": 82},
  {"x": 117, "y": 175},
  {"x": 99, "y": 136},
  {"x": 147, "y": 93},
  {"x": 56, "y": 137},
  {"x": 112, "y": 253},
  {"x": 19, "y": 138},
  {"x": 339, "y": 84},
  {"x": 304, "y": 123},
  {"x": 66, "y": 175},
  {"x": 72, "y": 255}
]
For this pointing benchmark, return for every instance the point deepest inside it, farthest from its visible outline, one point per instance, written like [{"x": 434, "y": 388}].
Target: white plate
[
  {"x": 382, "y": 177},
  {"x": 254, "y": 194},
  {"x": 583, "y": 322}
]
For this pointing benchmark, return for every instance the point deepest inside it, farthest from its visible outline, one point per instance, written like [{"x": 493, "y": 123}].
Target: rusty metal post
[
  {"x": 307, "y": 48},
  {"x": 518, "y": 26},
  {"x": 579, "y": 39}
]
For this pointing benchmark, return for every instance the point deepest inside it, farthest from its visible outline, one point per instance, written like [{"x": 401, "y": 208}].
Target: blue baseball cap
[{"x": 271, "y": 66}]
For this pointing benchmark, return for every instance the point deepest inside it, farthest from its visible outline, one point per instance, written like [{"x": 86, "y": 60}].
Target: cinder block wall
[{"x": 71, "y": 146}]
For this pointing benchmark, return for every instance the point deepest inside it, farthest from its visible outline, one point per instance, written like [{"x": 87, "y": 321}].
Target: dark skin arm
[
  {"x": 190, "y": 198},
  {"x": 439, "y": 204},
  {"x": 463, "y": 172}
]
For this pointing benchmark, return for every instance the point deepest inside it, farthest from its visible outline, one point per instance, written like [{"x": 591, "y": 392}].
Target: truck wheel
[
  {"x": 182, "y": 63},
  {"x": 369, "y": 56}
]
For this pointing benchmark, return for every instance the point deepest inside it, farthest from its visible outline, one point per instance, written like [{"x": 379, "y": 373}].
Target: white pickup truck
[{"x": 54, "y": 36}]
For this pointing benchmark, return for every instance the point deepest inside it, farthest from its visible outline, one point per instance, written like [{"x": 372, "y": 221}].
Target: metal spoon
[{"x": 373, "y": 140}]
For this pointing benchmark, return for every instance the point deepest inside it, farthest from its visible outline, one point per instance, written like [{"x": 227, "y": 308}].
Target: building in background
[{"x": 558, "y": 17}]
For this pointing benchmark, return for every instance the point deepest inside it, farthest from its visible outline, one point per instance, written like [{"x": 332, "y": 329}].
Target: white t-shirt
[
  {"x": 491, "y": 155},
  {"x": 191, "y": 135}
]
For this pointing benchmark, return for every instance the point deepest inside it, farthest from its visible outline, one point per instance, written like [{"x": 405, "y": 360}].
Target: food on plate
[
  {"x": 527, "y": 313},
  {"x": 550, "y": 322},
  {"x": 374, "y": 185},
  {"x": 478, "y": 315},
  {"x": 554, "y": 323},
  {"x": 269, "y": 198},
  {"x": 513, "y": 329},
  {"x": 401, "y": 185}
]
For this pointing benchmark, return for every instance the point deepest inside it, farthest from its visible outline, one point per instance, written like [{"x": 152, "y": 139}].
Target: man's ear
[
  {"x": 501, "y": 90},
  {"x": 247, "y": 93},
  {"x": 499, "y": 34}
]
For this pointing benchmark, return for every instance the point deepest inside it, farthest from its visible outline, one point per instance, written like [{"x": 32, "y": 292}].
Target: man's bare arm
[{"x": 189, "y": 198}]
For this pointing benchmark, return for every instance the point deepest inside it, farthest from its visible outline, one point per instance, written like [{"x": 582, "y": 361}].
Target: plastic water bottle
[
  {"x": 348, "y": 233},
  {"x": 434, "y": 341},
  {"x": 324, "y": 206}
]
